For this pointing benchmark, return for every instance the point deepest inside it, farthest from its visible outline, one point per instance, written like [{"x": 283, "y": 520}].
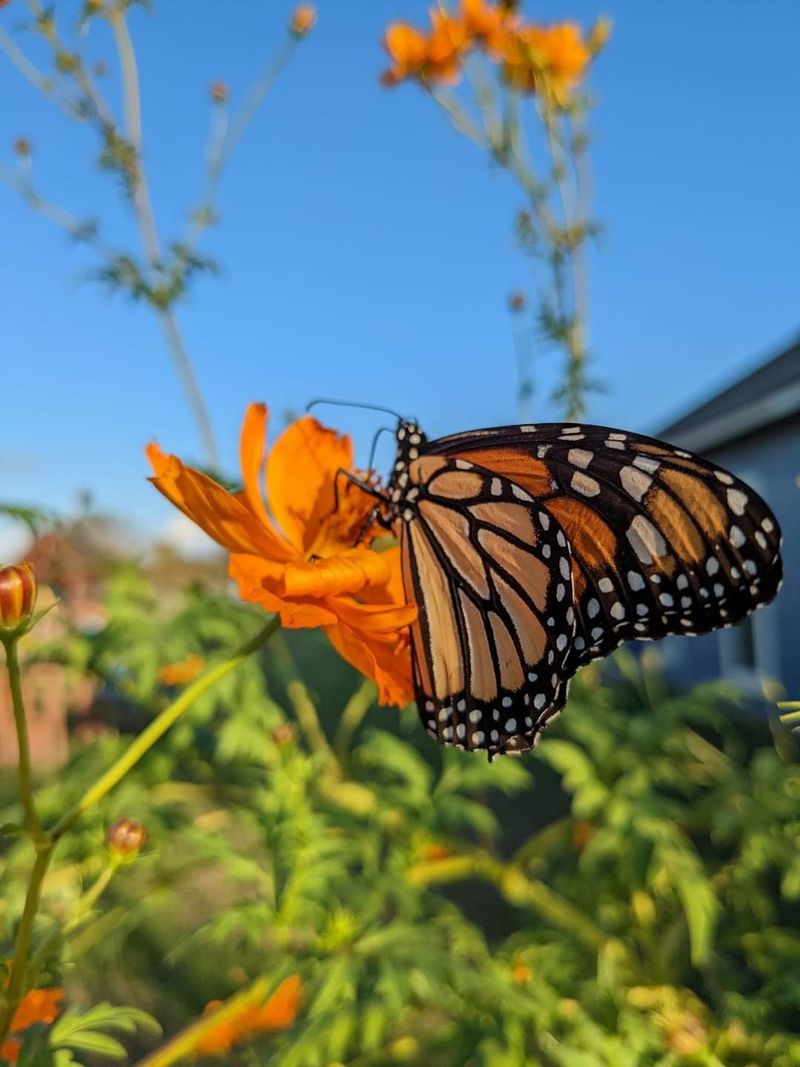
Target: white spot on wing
[
  {"x": 580, "y": 457},
  {"x": 737, "y": 501},
  {"x": 634, "y": 482},
  {"x": 645, "y": 540},
  {"x": 646, "y": 463},
  {"x": 584, "y": 485}
]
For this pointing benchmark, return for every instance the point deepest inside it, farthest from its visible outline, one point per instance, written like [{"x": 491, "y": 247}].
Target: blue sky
[{"x": 367, "y": 249}]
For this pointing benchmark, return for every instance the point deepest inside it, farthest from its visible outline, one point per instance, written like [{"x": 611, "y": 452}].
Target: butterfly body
[{"x": 531, "y": 550}]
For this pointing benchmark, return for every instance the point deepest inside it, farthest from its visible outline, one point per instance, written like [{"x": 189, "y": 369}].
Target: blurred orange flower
[
  {"x": 37, "y": 1006},
  {"x": 521, "y": 972},
  {"x": 558, "y": 53},
  {"x": 300, "y": 558},
  {"x": 186, "y": 670},
  {"x": 488, "y": 25},
  {"x": 278, "y": 1012},
  {"x": 303, "y": 20},
  {"x": 432, "y": 58}
]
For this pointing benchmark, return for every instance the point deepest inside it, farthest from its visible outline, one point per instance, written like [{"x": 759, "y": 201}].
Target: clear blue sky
[{"x": 368, "y": 249}]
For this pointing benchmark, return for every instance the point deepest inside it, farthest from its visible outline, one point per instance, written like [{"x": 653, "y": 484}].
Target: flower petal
[
  {"x": 224, "y": 517},
  {"x": 258, "y": 581},
  {"x": 387, "y": 619},
  {"x": 252, "y": 448},
  {"x": 350, "y": 572},
  {"x": 303, "y": 466},
  {"x": 378, "y": 660}
]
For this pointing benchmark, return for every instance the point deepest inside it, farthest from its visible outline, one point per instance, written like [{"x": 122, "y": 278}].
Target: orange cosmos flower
[
  {"x": 37, "y": 1006},
  {"x": 558, "y": 53},
  {"x": 487, "y": 25},
  {"x": 432, "y": 58},
  {"x": 278, "y": 1012},
  {"x": 300, "y": 558}
]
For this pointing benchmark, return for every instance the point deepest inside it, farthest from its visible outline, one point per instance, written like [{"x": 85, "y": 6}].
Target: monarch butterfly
[{"x": 531, "y": 550}]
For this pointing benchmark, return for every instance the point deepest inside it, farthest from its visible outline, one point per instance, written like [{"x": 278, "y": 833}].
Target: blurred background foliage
[{"x": 630, "y": 895}]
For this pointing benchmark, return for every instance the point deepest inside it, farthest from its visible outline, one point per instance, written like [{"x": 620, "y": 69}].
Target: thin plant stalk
[
  {"x": 148, "y": 232},
  {"x": 46, "y": 841},
  {"x": 32, "y": 822}
]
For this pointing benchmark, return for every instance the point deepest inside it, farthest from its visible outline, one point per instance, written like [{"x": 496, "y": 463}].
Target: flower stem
[
  {"x": 186, "y": 1042},
  {"x": 16, "y": 983},
  {"x": 47, "y": 841},
  {"x": 354, "y": 711},
  {"x": 25, "y": 778},
  {"x": 516, "y": 887},
  {"x": 158, "y": 727},
  {"x": 148, "y": 231}
]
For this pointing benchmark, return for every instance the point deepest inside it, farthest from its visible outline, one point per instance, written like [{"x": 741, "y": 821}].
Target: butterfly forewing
[
  {"x": 661, "y": 541},
  {"x": 490, "y": 571}
]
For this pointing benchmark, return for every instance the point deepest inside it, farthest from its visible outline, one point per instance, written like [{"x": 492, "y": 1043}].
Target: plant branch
[
  {"x": 158, "y": 727},
  {"x": 20, "y": 722},
  {"x": 349, "y": 721}
]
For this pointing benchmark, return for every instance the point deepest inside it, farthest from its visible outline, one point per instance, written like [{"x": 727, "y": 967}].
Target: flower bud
[
  {"x": 303, "y": 20},
  {"x": 17, "y": 595},
  {"x": 599, "y": 35},
  {"x": 219, "y": 92},
  {"x": 22, "y": 147},
  {"x": 126, "y": 838},
  {"x": 283, "y": 735},
  {"x": 516, "y": 302}
]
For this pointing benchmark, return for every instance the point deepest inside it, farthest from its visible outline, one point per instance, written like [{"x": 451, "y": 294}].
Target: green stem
[
  {"x": 182, "y": 1046},
  {"x": 349, "y": 721},
  {"x": 148, "y": 231},
  {"x": 90, "y": 898},
  {"x": 45, "y": 843},
  {"x": 516, "y": 887},
  {"x": 25, "y": 777},
  {"x": 304, "y": 708},
  {"x": 16, "y": 982},
  {"x": 158, "y": 727}
]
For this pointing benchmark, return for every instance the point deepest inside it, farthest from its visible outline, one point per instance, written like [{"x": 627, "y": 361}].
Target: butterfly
[{"x": 531, "y": 550}]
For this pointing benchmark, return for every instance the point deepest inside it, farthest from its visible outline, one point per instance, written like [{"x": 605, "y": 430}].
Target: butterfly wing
[
  {"x": 661, "y": 541},
  {"x": 490, "y": 572}
]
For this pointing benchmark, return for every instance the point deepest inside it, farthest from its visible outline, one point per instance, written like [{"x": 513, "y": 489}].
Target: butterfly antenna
[
  {"x": 383, "y": 429},
  {"x": 354, "y": 404}
]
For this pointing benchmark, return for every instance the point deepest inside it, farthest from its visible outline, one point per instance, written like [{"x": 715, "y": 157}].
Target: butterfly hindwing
[{"x": 490, "y": 571}]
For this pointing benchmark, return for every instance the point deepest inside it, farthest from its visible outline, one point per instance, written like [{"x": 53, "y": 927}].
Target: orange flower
[
  {"x": 303, "y": 20},
  {"x": 300, "y": 558},
  {"x": 557, "y": 53},
  {"x": 433, "y": 58},
  {"x": 278, "y": 1012},
  {"x": 37, "y": 1006},
  {"x": 582, "y": 833},
  {"x": 434, "y": 851},
  {"x": 186, "y": 670},
  {"x": 487, "y": 25}
]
